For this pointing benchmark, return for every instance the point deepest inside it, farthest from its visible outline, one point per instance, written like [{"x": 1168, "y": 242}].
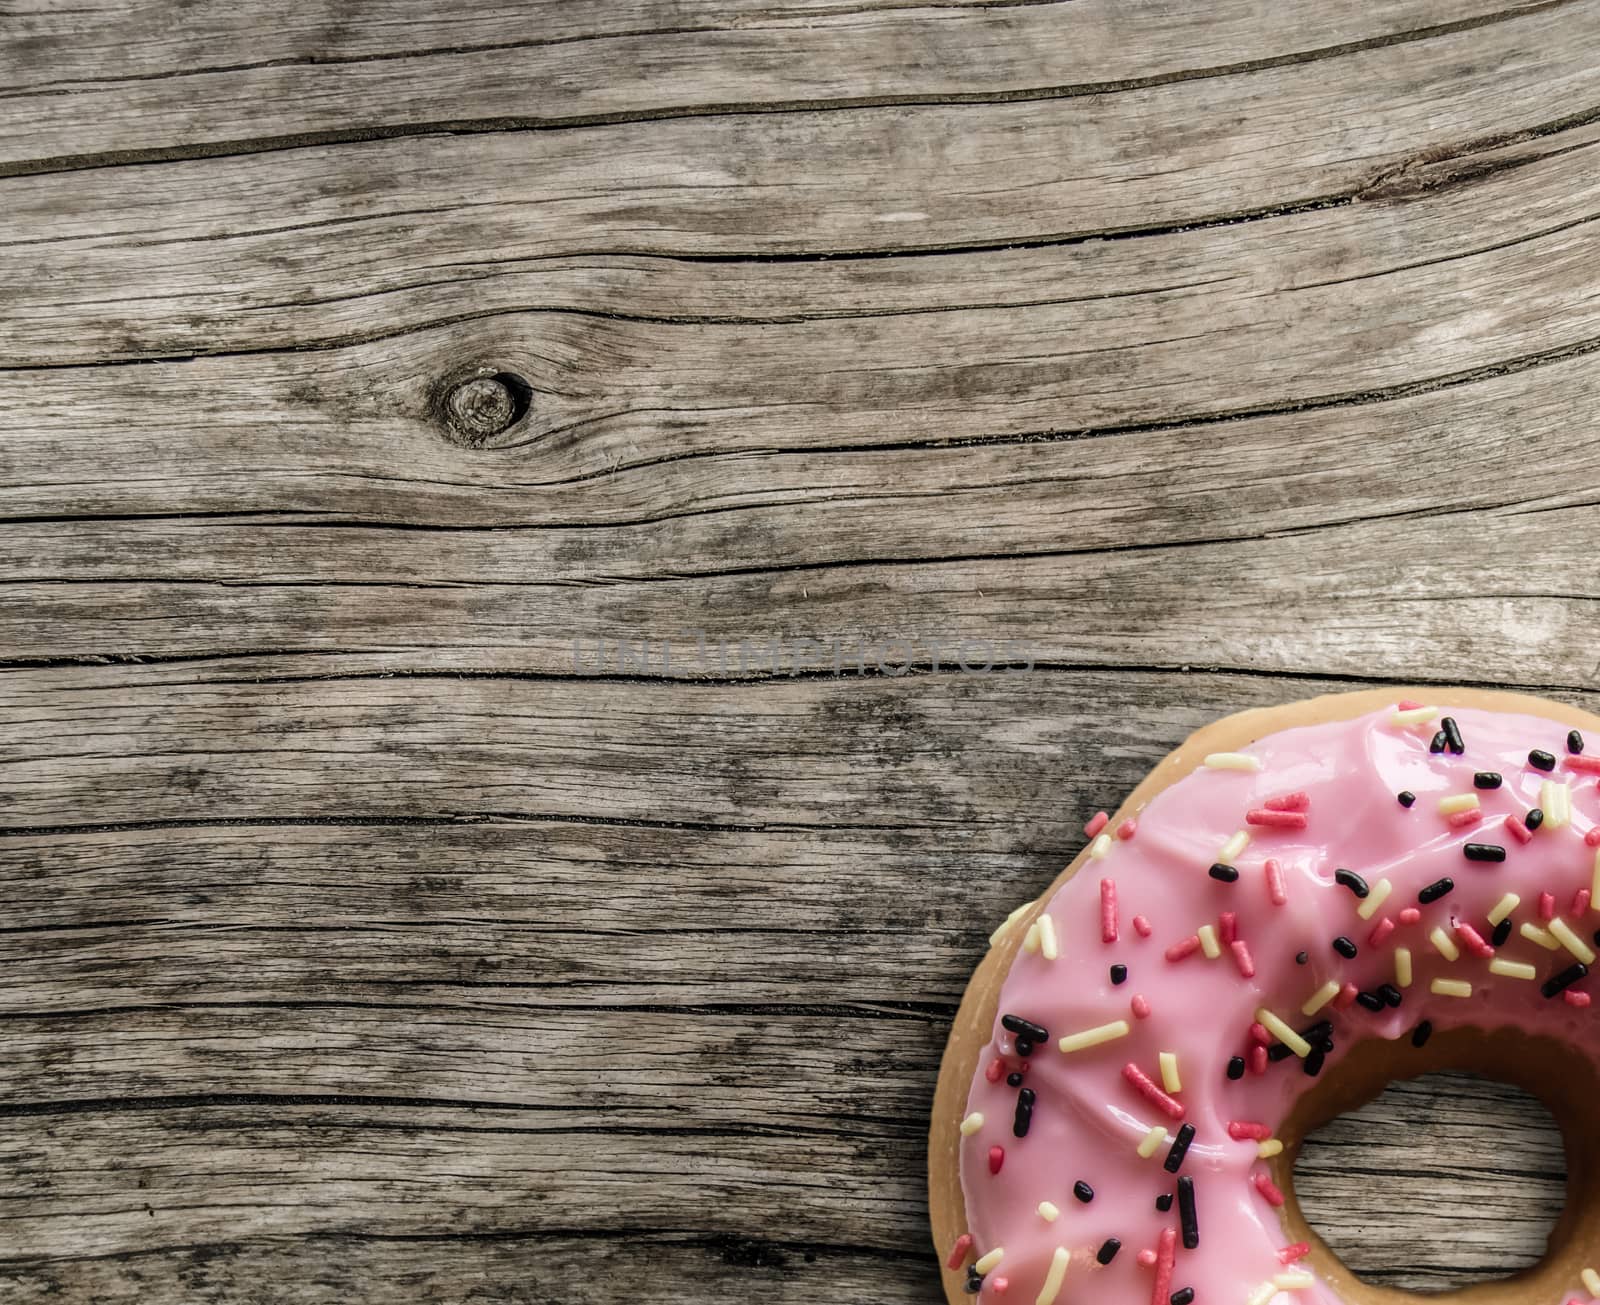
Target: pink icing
[{"x": 1093, "y": 1107}]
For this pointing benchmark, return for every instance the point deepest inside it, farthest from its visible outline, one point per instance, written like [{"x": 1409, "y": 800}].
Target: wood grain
[{"x": 370, "y": 936}]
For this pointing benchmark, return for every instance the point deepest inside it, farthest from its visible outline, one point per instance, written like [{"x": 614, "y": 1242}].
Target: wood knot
[{"x": 483, "y": 406}]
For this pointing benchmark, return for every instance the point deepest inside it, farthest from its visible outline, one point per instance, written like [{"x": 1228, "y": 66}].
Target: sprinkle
[
  {"x": 1518, "y": 830},
  {"x": 996, "y": 1070},
  {"x": 1410, "y": 915},
  {"x": 1439, "y": 742},
  {"x": 1461, "y": 819},
  {"x": 1297, "y": 801},
  {"x": 1146, "y": 1087},
  {"x": 1232, "y": 761},
  {"x": 1458, "y": 802},
  {"x": 1247, "y": 1130},
  {"x": 1278, "y": 892},
  {"x": 1406, "y": 797},
  {"x": 1186, "y": 1213},
  {"x": 1581, "y": 900},
  {"x": 1575, "y": 998},
  {"x": 1164, "y": 1203},
  {"x": 1268, "y": 1189},
  {"x": 1591, "y": 1282},
  {"x": 1512, "y": 969},
  {"x": 1452, "y": 735},
  {"x": 1208, "y": 942},
  {"x": 1229, "y": 852},
  {"x": 1181, "y": 950},
  {"x": 1094, "y": 1037},
  {"x": 1297, "y": 1251},
  {"x": 1127, "y": 829},
  {"x": 1564, "y": 980},
  {"x": 1533, "y": 819},
  {"x": 1541, "y": 760},
  {"x": 1534, "y": 934},
  {"x": 1142, "y": 927},
  {"x": 1169, "y": 1072},
  {"x": 958, "y": 1252},
  {"x": 1166, "y": 1249},
  {"x": 1321, "y": 997},
  {"x": 1108, "y": 1251},
  {"x": 1345, "y": 947},
  {"x": 1054, "y": 1278},
  {"x": 1100, "y": 847},
  {"x": 1152, "y": 1141},
  {"x": 1413, "y": 716},
  {"x": 1227, "y": 928},
  {"x": 1373, "y": 898},
  {"x": 1180, "y": 1148},
  {"x": 1225, "y": 874},
  {"x": 1141, "y": 1007},
  {"x": 1584, "y": 765},
  {"x": 1504, "y": 907},
  {"x": 1235, "y": 1068},
  {"x": 1450, "y": 988},
  {"x": 1008, "y": 922},
  {"x": 1562, "y": 932},
  {"x": 1502, "y": 931},
  {"x": 1243, "y": 959},
  {"x": 1370, "y": 1001},
  {"x": 1049, "y": 1211},
  {"x": 1486, "y": 779},
  {"x": 1183, "y": 1296},
  {"x": 991, "y": 1260},
  {"x": 1083, "y": 1191},
  {"x": 1346, "y": 998},
  {"x": 1297, "y": 1280},
  {"x": 1108, "y": 910},
  {"x": 971, "y": 1124},
  {"x": 1594, "y": 883},
  {"x": 1556, "y": 800},
  {"x": 1402, "y": 966},
  {"x": 1351, "y": 880},
  {"x": 1258, "y": 1061},
  {"x": 1118, "y": 974},
  {"x": 1547, "y": 907},
  {"x": 1047, "y": 938},
  {"x": 1266, "y": 1150},
  {"x": 1442, "y": 943},
  {"x": 1592, "y": 838},
  {"x": 1484, "y": 852},
  {"x": 1275, "y": 819},
  {"x": 1437, "y": 889},
  {"x": 1421, "y": 1034},
  {"x": 1574, "y": 742},
  {"x": 1283, "y": 1032},
  {"x": 1262, "y": 1294},
  {"x": 1472, "y": 939},
  {"x": 1024, "y": 1028},
  {"x": 1097, "y": 822},
  {"x": 1147, "y": 1258},
  {"x": 1030, "y": 940},
  {"x": 997, "y": 1158},
  {"x": 1024, "y": 1116},
  {"x": 1380, "y": 932}
]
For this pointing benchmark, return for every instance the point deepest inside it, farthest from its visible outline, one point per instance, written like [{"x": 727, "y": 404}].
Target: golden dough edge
[{"x": 975, "y": 1017}]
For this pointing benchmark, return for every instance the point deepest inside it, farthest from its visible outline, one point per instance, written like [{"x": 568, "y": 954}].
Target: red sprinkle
[
  {"x": 1547, "y": 906},
  {"x": 1409, "y": 704},
  {"x": 1461, "y": 819},
  {"x": 1245, "y": 1130},
  {"x": 996, "y": 1070},
  {"x": 1275, "y": 819},
  {"x": 1108, "y": 910},
  {"x": 1227, "y": 928},
  {"x": 1242, "y": 958},
  {"x": 1147, "y": 1257},
  {"x": 1588, "y": 765},
  {"x": 1275, "y": 886},
  {"x": 1167, "y": 1248},
  {"x": 1575, "y": 998},
  {"x": 998, "y": 1286},
  {"x": 1592, "y": 838},
  {"x": 1097, "y": 822},
  {"x": 1410, "y": 915},
  {"x": 1127, "y": 829},
  {"x": 1518, "y": 830},
  {"x": 958, "y": 1252},
  {"x": 1347, "y": 997},
  {"x": 1380, "y": 931},
  {"x": 1289, "y": 802},
  {"x": 1141, "y": 1007},
  {"x": 1151, "y": 1093},
  {"x": 1298, "y": 1251},
  {"x": 1473, "y": 940},
  {"x": 1580, "y": 901},
  {"x": 1258, "y": 1060},
  {"x": 1259, "y": 1034},
  {"x": 1188, "y": 947},
  {"x": 1268, "y": 1189},
  {"x": 997, "y": 1157},
  {"x": 1142, "y": 927}
]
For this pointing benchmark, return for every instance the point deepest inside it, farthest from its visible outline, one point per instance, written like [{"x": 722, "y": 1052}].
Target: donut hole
[{"x": 1474, "y": 1162}]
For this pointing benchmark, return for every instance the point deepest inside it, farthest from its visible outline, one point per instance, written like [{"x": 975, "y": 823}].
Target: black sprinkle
[
  {"x": 974, "y": 1281},
  {"x": 1013, "y": 1080},
  {"x": 1180, "y": 1148},
  {"x": 1534, "y": 818},
  {"x": 1486, "y": 779},
  {"x": 1370, "y": 1000},
  {"x": 1236, "y": 1068},
  {"x": 1186, "y": 1216},
  {"x": 1502, "y": 931},
  {"x": 1317, "y": 1032},
  {"x": 1108, "y": 1250},
  {"x": 1224, "y": 873},
  {"x": 1437, "y": 889},
  {"x": 1407, "y": 797},
  {"x": 1119, "y": 974},
  {"x": 1344, "y": 947},
  {"x": 1300, "y": 958},
  {"x": 1026, "y": 1028},
  {"x": 1569, "y": 976},
  {"x": 1351, "y": 880},
  {"x": 1438, "y": 743},
  {"x": 1083, "y": 1191},
  {"x": 1313, "y": 1063},
  {"x": 1024, "y": 1047},
  {"x": 1164, "y": 1202},
  {"x": 1421, "y": 1034},
  {"x": 1541, "y": 760},
  {"x": 1574, "y": 742},
  {"x": 1452, "y": 735},
  {"x": 1484, "y": 852},
  {"x": 1390, "y": 994},
  {"x": 1183, "y": 1296},
  {"x": 1024, "y": 1117},
  {"x": 1277, "y": 1051},
  {"x": 1597, "y": 935}
]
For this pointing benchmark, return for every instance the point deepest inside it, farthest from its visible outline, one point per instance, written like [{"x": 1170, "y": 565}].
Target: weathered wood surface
[{"x": 367, "y": 936}]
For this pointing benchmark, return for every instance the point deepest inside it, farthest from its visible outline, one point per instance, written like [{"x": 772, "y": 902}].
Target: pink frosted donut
[{"x": 1125, "y": 1074}]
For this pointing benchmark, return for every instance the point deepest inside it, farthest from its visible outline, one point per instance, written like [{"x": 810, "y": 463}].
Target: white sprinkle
[
  {"x": 1094, "y": 1037},
  {"x": 1152, "y": 1141},
  {"x": 1450, "y": 988},
  {"x": 1233, "y": 761},
  {"x": 1208, "y": 942},
  {"x": 1458, "y": 802},
  {"x": 1591, "y": 1282},
  {"x": 972, "y": 1123},
  {"x": 1052, "y": 1280},
  {"x": 1169, "y": 1072},
  {"x": 1269, "y": 1148},
  {"x": 1402, "y": 966},
  {"x": 1562, "y": 932},
  {"x": 1555, "y": 800},
  {"x": 1321, "y": 997},
  {"x": 1374, "y": 899},
  {"x": 1594, "y": 883},
  {"x": 1262, "y": 1294},
  {"x": 1413, "y": 716},
  {"x": 1229, "y": 851},
  {"x": 1047, "y": 938},
  {"x": 1100, "y": 846},
  {"x": 1504, "y": 907},
  {"x": 1009, "y": 921},
  {"x": 1534, "y": 934},
  {"x": 1512, "y": 969},
  {"x": 1030, "y": 940},
  {"x": 1283, "y": 1032},
  {"x": 1049, "y": 1211},
  {"x": 1445, "y": 944},
  {"x": 1293, "y": 1280},
  {"x": 990, "y": 1260}
]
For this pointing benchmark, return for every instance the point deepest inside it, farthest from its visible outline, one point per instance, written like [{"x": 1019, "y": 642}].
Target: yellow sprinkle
[
  {"x": 1321, "y": 997},
  {"x": 1049, "y": 1211},
  {"x": 1591, "y": 1282},
  {"x": 1053, "y": 1279},
  {"x": 1562, "y": 931},
  {"x": 1555, "y": 800},
  {"x": 1402, "y": 966},
  {"x": 971, "y": 1124},
  {"x": 1458, "y": 802},
  {"x": 1512, "y": 969},
  {"x": 1594, "y": 883},
  {"x": 990, "y": 1260},
  {"x": 1450, "y": 988},
  {"x": 1374, "y": 899},
  {"x": 1100, "y": 846},
  {"x": 1047, "y": 938},
  {"x": 1413, "y": 716},
  {"x": 1009, "y": 921},
  {"x": 1262, "y": 1294},
  {"x": 1208, "y": 942},
  {"x": 1293, "y": 1280},
  {"x": 1283, "y": 1032},
  {"x": 1504, "y": 907},
  {"x": 1169, "y": 1072},
  {"x": 1094, "y": 1037},
  {"x": 1233, "y": 761},
  {"x": 1030, "y": 940},
  {"x": 1534, "y": 934},
  {"x": 1445, "y": 944},
  {"x": 1152, "y": 1141},
  {"x": 1229, "y": 851},
  {"x": 1271, "y": 1147}
]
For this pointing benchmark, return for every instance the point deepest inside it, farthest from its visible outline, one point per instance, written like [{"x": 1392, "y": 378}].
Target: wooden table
[{"x": 384, "y": 923}]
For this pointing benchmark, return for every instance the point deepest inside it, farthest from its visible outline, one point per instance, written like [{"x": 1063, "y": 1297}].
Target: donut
[{"x": 1298, "y": 906}]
